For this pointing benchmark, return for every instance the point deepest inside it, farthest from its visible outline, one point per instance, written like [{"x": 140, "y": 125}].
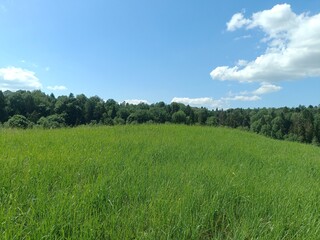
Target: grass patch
[{"x": 156, "y": 182}]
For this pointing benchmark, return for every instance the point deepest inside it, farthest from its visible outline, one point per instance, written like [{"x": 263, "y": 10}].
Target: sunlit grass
[{"x": 156, "y": 182}]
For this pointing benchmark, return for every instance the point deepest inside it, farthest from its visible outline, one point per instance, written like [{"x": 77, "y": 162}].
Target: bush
[
  {"x": 212, "y": 121},
  {"x": 18, "y": 121},
  {"x": 52, "y": 121},
  {"x": 119, "y": 121},
  {"x": 179, "y": 117}
]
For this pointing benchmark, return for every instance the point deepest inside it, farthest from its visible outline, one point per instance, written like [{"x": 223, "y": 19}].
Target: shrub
[
  {"x": 18, "y": 121},
  {"x": 179, "y": 117},
  {"x": 52, "y": 121}
]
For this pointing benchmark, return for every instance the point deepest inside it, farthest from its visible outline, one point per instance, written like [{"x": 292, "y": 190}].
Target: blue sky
[{"x": 203, "y": 53}]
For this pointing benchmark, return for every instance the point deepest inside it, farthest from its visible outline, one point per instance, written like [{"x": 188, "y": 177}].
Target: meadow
[{"x": 156, "y": 182}]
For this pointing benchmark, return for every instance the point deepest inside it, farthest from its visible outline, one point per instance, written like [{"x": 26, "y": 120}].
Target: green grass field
[{"x": 156, "y": 182}]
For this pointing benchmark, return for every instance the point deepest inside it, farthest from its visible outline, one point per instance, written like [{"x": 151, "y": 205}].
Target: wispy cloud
[
  {"x": 13, "y": 79},
  {"x": 57, "y": 88},
  {"x": 243, "y": 37},
  {"x": 255, "y": 95},
  {"x": 243, "y": 98},
  {"x": 225, "y": 102},
  {"x": 212, "y": 103},
  {"x": 267, "y": 88},
  {"x": 200, "y": 102}
]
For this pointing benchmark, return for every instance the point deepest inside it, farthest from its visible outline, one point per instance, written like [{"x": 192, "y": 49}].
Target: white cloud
[
  {"x": 57, "y": 88},
  {"x": 267, "y": 88},
  {"x": 200, "y": 102},
  {"x": 243, "y": 98},
  {"x": 242, "y": 63},
  {"x": 250, "y": 96},
  {"x": 237, "y": 21},
  {"x": 211, "y": 103},
  {"x": 278, "y": 20},
  {"x": 136, "y": 101},
  {"x": 293, "y": 47},
  {"x": 13, "y": 79}
]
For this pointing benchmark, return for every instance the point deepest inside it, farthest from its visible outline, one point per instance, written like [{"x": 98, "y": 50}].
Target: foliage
[
  {"x": 52, "y": 121},
  {"x": 18, "y": 121},
  {"x": 179, "y": 117},
  {"x": 295, "y": 124}
]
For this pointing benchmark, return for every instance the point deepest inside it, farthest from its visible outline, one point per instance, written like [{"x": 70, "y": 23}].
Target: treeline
[{"x": 25, "y": 109}]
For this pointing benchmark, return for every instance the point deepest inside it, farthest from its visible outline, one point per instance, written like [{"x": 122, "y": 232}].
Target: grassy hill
[{"x": 156, "y": 182}]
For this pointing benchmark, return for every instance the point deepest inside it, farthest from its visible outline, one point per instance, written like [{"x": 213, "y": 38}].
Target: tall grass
[{"x": 156, "y": 182}]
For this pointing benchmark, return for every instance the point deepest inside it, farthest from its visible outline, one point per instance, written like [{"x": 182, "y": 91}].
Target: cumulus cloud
[
  {"x": 276, "y": 21},
  {"x": 57, "y": 88},
  {"x": 136, "y": 101},
  {"x": 293, "y": 47},
  {"x": 13, "y": 79}
]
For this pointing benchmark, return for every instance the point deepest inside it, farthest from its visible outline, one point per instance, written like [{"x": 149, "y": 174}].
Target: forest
[{"x": 32, "y": 109}]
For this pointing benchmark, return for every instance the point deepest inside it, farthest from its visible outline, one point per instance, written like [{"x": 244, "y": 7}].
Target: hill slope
[{"x": 156, "y": 182}]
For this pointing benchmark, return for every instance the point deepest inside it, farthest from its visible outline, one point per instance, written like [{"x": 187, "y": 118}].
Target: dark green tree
[
  {"x": 3, "y": 110},
  {"x": 179, "y": 117}
]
